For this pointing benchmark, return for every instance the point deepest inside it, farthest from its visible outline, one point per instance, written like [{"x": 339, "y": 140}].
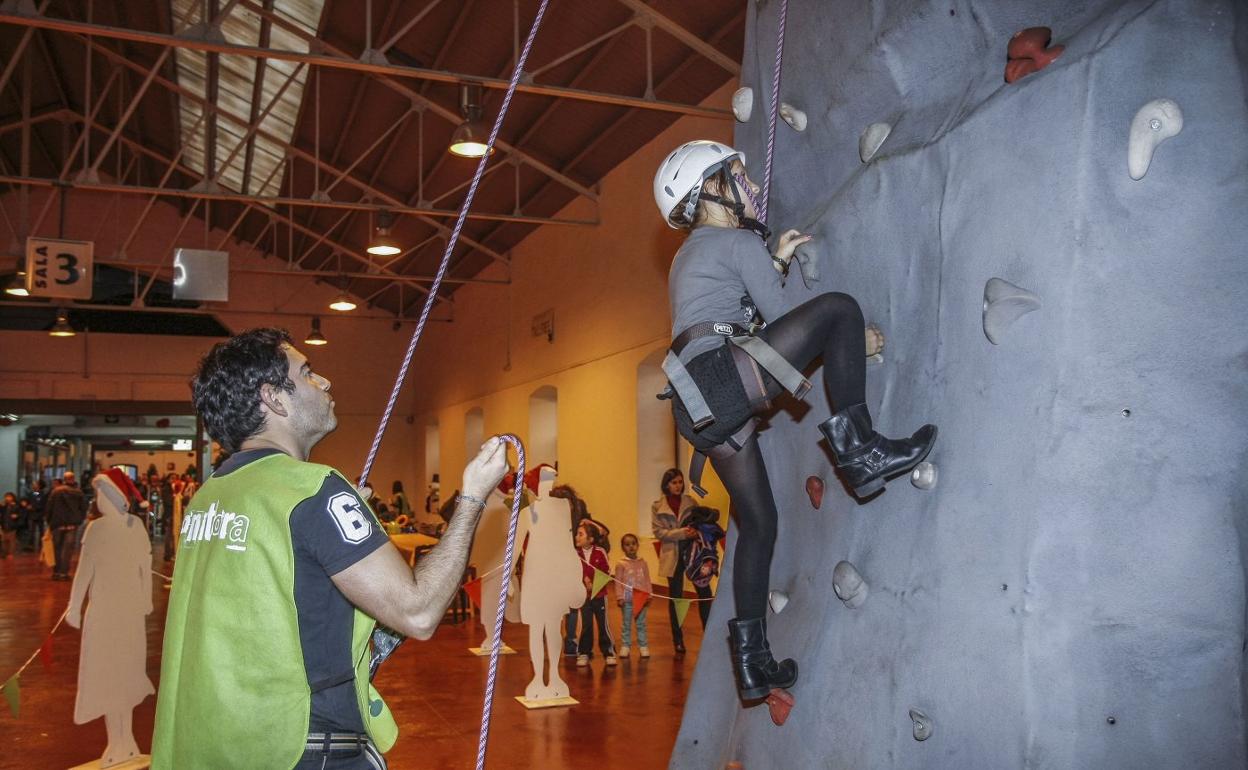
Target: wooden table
[{"x": 411, "y": 542}]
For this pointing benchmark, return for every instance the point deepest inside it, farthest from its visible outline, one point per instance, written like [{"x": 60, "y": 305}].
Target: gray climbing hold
[
  {"x": 1005, "y": 303},
  {"x": 807, "y": 257},
  {"x": 743, "y": 103},
  {"x": 1155, "y": 122},
  {"x": 922, "y": 725},
  {"x": 849, "y": 586},
  {"x": 924, "y": 475},
  {"x": 778, "y": 601},
  {"x": 793, "y": 116},
  {"x": 872, "y": 137}
]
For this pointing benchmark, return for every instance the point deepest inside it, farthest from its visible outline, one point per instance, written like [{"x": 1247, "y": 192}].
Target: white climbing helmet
[{"x": 684, "y": 170}]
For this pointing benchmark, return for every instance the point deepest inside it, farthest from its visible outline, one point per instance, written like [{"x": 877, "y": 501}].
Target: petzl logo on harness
[{"x": 723, "y": 328}]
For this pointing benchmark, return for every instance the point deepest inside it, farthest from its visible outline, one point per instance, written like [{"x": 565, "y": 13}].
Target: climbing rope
[
  {"x": 502, "y": 597},
  {"x": 407, "y": 362},
  {"x": 771, "y": 118},
  {"x": 450, "y": 246}
]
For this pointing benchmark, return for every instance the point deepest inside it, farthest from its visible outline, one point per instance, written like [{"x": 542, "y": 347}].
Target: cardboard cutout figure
[
  {"x": 488, "y": 549},
  {"x": 551, "y": 584},
  {"x": 115, "y": 571}
]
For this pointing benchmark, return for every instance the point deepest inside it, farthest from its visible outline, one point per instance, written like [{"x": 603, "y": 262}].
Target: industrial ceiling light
[
  {"x": 344, "y": 303},
  {"x": 315, "y": 337},
  {"x": 470, "y": 138},
  {"x": 17, "y": 286},
  {"x": 62, "y": 328},
  {"x": 382, "y": 244}
]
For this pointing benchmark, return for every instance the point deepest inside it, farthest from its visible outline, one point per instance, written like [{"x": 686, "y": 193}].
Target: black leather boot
[
  {"x": 865, "y": 457},
  {"x": 756, "y": 670}
]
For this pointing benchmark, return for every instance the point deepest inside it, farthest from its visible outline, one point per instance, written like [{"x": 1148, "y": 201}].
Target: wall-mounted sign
[
  {"x": 202, "y": 275},
  {"x": 58, "y": 268}
]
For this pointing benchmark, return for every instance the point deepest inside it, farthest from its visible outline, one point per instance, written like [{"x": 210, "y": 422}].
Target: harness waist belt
[
  {"x": 328, "y": 742},
  {"x": 722, "y": 328}
]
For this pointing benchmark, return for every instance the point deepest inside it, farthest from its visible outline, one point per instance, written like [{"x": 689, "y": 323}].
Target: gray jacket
[{"x": 668, "y": 529}]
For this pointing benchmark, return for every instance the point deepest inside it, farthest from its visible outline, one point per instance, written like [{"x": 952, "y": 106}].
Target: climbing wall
[{"x": 1069, "y": 592}]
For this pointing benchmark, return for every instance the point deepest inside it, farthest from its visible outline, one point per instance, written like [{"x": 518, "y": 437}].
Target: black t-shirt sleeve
[{"x": 335, "y": 527}]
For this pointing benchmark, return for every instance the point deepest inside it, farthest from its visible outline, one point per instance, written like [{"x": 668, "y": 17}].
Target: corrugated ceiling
[{"x": 237, "y": 80}]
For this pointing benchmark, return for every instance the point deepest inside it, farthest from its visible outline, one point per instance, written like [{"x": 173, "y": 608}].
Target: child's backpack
[{"x": 704, "y": 555}]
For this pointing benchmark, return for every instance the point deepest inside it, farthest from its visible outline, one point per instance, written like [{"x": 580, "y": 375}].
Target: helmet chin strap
[{"x": 737, "y": 206}]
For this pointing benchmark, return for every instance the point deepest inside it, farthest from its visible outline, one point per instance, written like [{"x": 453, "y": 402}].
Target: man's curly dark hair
[{"x": 226, "y": 387}]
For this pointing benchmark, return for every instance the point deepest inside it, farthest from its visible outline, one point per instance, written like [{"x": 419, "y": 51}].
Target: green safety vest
[{"x": 233, "y": 689}]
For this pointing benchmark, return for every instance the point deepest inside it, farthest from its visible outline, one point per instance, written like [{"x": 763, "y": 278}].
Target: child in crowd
[
  {"x": 595, "y": 607},
  {"x": 632, "y": 573}
]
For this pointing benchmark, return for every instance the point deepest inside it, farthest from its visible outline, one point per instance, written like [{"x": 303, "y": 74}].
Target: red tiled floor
[{"x": 627, "y": 718}]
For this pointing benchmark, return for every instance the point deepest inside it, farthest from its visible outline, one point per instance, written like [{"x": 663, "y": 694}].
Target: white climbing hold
[
  {"x": 872, "y": 137},
  {"x": 849, "y": 585},
  {"x": 924, "y": 475},
  {"x": 1005, "y": 303},
  {"x": 743, "y": 103},
  {"x": 1155, "y": 122},
  {"x": 922, "y": 725},
  {"x": 793, "y": 116},
  {"x": 778, "y": 601}
]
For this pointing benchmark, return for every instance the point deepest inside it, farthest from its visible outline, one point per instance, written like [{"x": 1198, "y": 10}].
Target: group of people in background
[
  {"x": 51, "y": 520},
  {"x": 688, "y": 536}
]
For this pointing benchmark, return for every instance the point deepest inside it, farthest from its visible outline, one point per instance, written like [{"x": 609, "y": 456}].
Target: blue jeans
[{"x": 626, "y": 624}]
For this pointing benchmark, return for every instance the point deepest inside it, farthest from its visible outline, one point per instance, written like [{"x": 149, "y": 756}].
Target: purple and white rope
[
  {"x": 502, "y": 599},
  {"x": 450, "y": 245},
  {"x": 775, "y": 110}
]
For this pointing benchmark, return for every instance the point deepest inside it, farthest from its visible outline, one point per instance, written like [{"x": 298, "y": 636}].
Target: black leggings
[{"x": 831, "y": 326}]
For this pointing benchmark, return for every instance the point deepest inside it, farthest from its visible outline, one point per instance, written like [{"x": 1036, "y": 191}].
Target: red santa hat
[
  {"x": 533, "y": 475},
  {"x": 122, "y": 481}
]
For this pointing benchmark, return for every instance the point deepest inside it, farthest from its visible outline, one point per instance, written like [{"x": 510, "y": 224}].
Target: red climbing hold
[
  {"x": 814, "y": 489},
  {"x": 1029, "y": 52},
  {"x": 780, "y": 702}
]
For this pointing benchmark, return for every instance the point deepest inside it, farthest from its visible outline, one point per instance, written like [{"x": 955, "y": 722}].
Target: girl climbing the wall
[{"x": 725, "y": 366}]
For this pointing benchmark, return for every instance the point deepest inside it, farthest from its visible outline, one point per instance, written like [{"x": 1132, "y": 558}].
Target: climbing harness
[
  {"x": 750, "y": 353},
  {"x": 384, "y": 640}
]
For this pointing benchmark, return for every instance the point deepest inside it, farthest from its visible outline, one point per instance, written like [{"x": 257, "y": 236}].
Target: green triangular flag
[
  {"x": 682, "y": 609},
  {"x": 12, "y": 694},
  {"x": 600, "y": 580}
]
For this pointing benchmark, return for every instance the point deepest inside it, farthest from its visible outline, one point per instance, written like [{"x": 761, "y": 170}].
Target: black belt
[
  {"x": 327, "y": 743},
  {"x": 720, "y": 328}
]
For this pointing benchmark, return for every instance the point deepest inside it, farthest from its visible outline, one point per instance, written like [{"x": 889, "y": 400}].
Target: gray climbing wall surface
[{"x": 1070, "y": 593}]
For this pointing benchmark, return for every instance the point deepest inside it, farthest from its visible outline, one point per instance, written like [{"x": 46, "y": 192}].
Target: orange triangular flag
[
  {"x": 682, "y": 609},
  {"x": 473, "y": 589},
  {"x": 639, "y": 601},
  {"x": 45, "y": 653},
  {"x": 600, "y": 580}
]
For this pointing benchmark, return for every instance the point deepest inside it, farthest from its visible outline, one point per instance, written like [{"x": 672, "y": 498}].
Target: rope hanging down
[
  {"x": 407, "y": 362},
  {"x": 450, "y": 246},
  {"x": 775, "y": 110},
  {"x": 502, "y": 594}
]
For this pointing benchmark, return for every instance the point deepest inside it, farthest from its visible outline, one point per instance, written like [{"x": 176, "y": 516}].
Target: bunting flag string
[
  {"x": 473, "y": 589},
  {"x": 682, "y": 609},
  {"x": 12, "y": 688},
  {"x": 13, "y": 694},
  {"x": 600, "y": 580},
  {"x": 640, "y": 598}
]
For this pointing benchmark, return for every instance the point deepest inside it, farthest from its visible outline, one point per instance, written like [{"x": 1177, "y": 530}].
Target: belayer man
[{"x": 282, "y": 573}]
